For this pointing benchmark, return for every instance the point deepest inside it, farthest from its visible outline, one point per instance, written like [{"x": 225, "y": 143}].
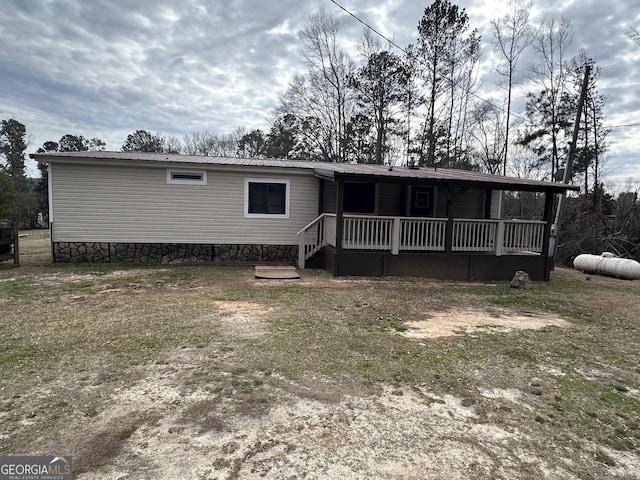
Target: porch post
[
  {"x": 549, "y": 198},
  {"x": 339, "y": 212},
  {"x": 448, "y": 231},
  {"x": 301, "y": 251},
  {"x": 395, "y": 236},
  {"x": 499, "y": 238}
]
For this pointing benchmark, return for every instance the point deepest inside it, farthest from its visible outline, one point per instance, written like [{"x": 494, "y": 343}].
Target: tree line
[{"x": 421, "y": 103}]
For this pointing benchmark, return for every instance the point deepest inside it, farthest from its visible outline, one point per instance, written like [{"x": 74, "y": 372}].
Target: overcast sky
[{"x": 105, "y": 68}]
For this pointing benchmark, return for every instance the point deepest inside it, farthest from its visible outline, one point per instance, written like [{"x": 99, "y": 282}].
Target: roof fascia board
[
  {"x": 324, "y": 173},
  {"x": 508, "y": 186},
  {"x": 172, "y": 164}
]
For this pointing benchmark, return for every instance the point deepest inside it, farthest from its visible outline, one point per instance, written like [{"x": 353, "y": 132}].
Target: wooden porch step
[{"x": 277, "y": 272}]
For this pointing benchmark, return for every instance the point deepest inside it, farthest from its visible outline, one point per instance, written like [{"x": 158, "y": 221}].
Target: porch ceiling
[{"x": 435, "y": 176}]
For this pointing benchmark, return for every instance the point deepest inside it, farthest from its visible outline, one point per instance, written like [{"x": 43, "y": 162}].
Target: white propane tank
[{"x": 606, "y": 264}]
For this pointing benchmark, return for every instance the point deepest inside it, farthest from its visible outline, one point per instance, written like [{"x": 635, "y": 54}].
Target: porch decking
[{"x": 396, "y": 235}]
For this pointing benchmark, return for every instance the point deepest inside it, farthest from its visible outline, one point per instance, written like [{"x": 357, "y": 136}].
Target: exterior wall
[
  {"x": 469, "y": 205},
  {"x": 389, "y": 200},
  {"x": 329, "y": 200},
  {"x": 135, "y": 205},
  {"x": 496, "y": 204}
]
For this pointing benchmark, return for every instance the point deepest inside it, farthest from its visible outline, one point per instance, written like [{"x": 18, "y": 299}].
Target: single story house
[{"x": 348, "y": 219}]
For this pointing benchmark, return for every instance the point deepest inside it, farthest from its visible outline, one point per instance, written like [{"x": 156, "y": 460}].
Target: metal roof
[
  {"x": 443, "y": 176},
  {"x": 170, "y": 158}
]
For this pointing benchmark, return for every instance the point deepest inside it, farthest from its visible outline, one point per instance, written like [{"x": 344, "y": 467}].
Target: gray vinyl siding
[{"x": 97, "y": 203}]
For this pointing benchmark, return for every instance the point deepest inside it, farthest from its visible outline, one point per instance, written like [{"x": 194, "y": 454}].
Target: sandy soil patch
[
  {"x": 398, "y": 434},
  {"x": 465, "y": 322},
  {"x": 247, "y": 308},
  {"x": 242, "y": 319},
  {"x": 61, "y": 278}
]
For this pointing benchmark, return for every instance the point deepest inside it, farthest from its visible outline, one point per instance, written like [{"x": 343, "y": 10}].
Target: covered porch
[
  {"x": 435, "y": 223},
  {"x": 435, "y": 247}
]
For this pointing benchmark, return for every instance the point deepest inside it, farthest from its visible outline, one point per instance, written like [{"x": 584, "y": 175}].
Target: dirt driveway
[{"x": 208, "y": 373}]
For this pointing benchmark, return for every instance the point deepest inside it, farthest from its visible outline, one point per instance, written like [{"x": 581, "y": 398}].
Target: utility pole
[{"x": 555, "y": 228}]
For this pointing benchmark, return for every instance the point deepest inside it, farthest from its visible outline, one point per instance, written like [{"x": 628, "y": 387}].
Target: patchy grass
[
  {"x": 115, "y": 362},
  {"x": 126, "y": 433}
]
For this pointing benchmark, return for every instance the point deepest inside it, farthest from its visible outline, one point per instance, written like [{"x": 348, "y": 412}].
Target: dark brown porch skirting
[{"x": 456, "y": 266}]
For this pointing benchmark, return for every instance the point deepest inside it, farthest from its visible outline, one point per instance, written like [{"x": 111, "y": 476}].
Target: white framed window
[
  {"x": 266, "y": 198},
  {"x": 186, "y": 177},
  {"x": 422, "y": 199}
]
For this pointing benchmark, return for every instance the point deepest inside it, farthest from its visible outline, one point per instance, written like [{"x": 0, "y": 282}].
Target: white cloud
[{"x": 108, "y": 67}]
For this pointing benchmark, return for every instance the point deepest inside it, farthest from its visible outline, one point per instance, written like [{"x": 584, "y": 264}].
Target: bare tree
[
  {"x": 512, "y": 34},
  {"x": 463, "y": 83},
  {"x": 328, "y": 70},
  {"x": 199, "y": 143},
  {"x": 316, "y": 126},
  {"x": 172, "y": 144},
  {"x": 552, "y": 44},
  {"x": 634, "y": 34},
  {"x": 211, "y": 144},
  {"x": 525, "y": 164},
  {"x": 487, "y": 128}
]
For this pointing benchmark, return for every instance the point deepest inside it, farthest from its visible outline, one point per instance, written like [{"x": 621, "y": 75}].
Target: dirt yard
[{"x": 204, "y": 372}]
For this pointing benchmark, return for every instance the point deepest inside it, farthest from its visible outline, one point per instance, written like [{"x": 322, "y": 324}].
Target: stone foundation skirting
[{"x": 107, "y": 252}]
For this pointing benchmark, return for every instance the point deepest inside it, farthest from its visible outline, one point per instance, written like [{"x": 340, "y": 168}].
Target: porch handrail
[
  {"x": 367, "y": 232},
  {"x": 315, "y": 235},
  {"x": 395, "y": 234},
  {"x": 422, "y": 234},
  {"x": 523, "y": 235},
  {"x": 311, "y": 224},
  {"x": 474, "y": 235}
]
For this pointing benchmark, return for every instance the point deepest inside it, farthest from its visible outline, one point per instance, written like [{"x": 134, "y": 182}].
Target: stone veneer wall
[{"x": 103, "y": 252}]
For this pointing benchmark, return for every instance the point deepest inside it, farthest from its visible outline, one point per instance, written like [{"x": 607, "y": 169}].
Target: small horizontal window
[{"x": 187, "y": 177}]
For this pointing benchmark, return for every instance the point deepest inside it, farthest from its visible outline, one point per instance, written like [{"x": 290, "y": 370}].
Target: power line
[
  {"x": 409, "y": 54},
  {"x": 372, "y": 29},
  {"x": 627, "y": 125}
]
